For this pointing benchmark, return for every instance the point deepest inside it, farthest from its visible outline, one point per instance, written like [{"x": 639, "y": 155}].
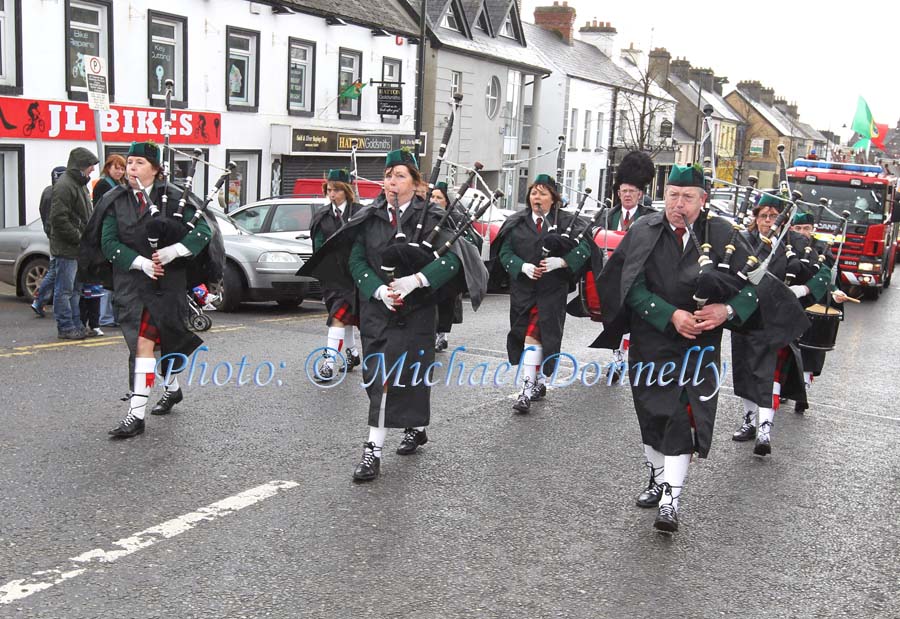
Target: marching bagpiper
[{"x": 341, "y": 303}]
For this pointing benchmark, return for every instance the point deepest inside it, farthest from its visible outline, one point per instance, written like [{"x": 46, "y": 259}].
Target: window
[
  {"x": 350, "y": 72},
  {"x": 620, "y": 129},
  {"x": 12, "y": 183},
  {"x": 166, "y": 54},
  {"x": 391, "y": 71},
  {"x": 88, "y": 33},
  {"x": 587, "y": 129},
  {"x": 182, "y": 165},
  {"x": 527, "y": 114},
  {"x": 252, "y": 219},
  {"x": 243, "y": 186},
  {"x": 455, "y": 82},
  {"x": 567, "y": 190},
  {"x": 599, "y": 130},
  {"x": 11, "y": 47},
  {"x": 508, "y": 29},
  {"x": 573, "y": 128},
  {"x": 766, "y": 145},
  {"x": 242, "y": 70},
  {"x": 492, "y": 97},
  {"x": 301, "y": 77},
  {"x": 450, "y": 20}
]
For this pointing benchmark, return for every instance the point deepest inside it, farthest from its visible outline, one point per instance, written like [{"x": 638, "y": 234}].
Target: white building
[{"x": 257, "y": 83}]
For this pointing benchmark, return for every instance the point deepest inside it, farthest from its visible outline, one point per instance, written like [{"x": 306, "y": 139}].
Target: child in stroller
[{"x": 200, "y": 300}]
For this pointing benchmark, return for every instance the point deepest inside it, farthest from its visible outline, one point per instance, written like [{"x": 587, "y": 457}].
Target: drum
[
  {"x": 824, "y": 323},
  {"x": 590, "y": 298}
]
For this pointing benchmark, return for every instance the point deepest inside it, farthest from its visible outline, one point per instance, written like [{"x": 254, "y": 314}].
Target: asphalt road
[{"x": 241, "y": 504}]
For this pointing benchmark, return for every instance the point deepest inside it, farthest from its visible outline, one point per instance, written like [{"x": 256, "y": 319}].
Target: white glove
[
  {"x": 144, "y": 264},
  {"x": 406, "y": 285},
  {"x": 383, "y": 294},
  {"x": 528, "y": 269},
  {"x": 553, "y": 263},
  {"x": 799, "y": 290},
  {"x": 839, "y": 296},
  {"x": 171, "y": 252}
]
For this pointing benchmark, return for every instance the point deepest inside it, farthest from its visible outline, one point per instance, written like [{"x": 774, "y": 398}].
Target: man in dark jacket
[
  {"x": 49, "y": 280},
  {"x": 70, "y": 209}
]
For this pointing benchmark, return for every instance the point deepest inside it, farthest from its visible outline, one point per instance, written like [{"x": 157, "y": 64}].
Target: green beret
[
  {"x": 687, "y": 176},
  {"x": 401, "y": 156},
  {"x": 769, "y": 200},
  {"x": 803, "y": 218},
  {"x": 545, "y": 179},
  {"x": 339, "y": 176},
  {"x": 147, "y": 150},
  {"x": 443, "y": 187}
]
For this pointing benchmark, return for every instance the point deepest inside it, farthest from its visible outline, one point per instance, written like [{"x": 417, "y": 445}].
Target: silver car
[
  {"x": 24, "y": 257},
  {"x": 261, "y": 268}
]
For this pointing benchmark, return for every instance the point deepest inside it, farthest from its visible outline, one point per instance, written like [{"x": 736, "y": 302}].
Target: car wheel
[
  {"x": 292, "y": 303},
  {"x": 872, "y": 294},
  {"x": 31, "y": 275},
  {"x": 232, "y": 290}
]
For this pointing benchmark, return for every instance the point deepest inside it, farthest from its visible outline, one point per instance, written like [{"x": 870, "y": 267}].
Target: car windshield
[
  {"x": 227, "y": 225},
  {"x": 865, "y": 204}
]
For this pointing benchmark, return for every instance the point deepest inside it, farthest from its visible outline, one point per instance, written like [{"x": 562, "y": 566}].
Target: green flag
[
  {"x": 352, "y": 90},
  {"x": 863, "y": 122}
]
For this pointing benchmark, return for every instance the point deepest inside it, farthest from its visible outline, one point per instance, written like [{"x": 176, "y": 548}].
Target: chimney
[
  {"x": 717, "y": 83},
  {"x": 767, "y": 95},
  {"x": 680, "y": 68},
  {"x": 633, "y": 55},
  {"x": 792, "y": 111},
  {"x": 750, "y": 88},
  {"x": 704, "y": 78},
  {"x": 659, "y": 66},
  {"x": 601, "y": 35},
  {"x": 557, "y": 18},
  {"x": 780, "y": 104}
]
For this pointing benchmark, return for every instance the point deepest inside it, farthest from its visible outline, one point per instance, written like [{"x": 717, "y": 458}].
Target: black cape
[{"x": 325, "y": 222}]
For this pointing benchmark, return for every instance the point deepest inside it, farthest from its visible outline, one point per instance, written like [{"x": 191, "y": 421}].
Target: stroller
[{"x": 199, "y": 300}]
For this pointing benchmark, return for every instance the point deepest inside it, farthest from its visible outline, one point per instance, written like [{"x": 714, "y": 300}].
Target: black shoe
[
  {"x": 763, "y": 447},
  {"x": 38, "y": 309},
  {"x": 440, "y": 344},
  {"x": 324, "y": 373},
  {"x": 167, "y": 402},
  {"x": 370, "y": 465},
  {"x": 523, "y": 404},
  {"x": 353, "y": 360},
  {"x": 800, "y": 408},
  {"x": 650, "y": 497},
  {"x": 746, "y": 432},
  {"x": 667, "y": 519},
  {"x": 71, "y": 334},
  {"x": 412, "y": 438},
  {"x": 128, "y": 427},
  {"x": 539, "y": 392}
]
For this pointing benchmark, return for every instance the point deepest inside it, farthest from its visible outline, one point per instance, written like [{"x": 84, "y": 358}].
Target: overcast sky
[{"x": 820, "y": 58}]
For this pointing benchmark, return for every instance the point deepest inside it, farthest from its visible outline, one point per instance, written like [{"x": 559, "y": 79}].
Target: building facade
[{"x": 256, "y": 83}]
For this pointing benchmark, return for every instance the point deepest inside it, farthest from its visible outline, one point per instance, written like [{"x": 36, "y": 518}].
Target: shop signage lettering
[{"x": 59, "y": 120}]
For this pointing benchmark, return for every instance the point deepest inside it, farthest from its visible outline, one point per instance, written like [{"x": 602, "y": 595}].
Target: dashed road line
[{"x": 94, "y": 559}]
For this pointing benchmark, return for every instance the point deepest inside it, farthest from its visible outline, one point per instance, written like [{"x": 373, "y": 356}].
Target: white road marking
[{"x": 44, "y": 579}]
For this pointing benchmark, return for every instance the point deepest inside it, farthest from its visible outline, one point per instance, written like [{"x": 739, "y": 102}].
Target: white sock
[
  {"x": 349, "y": 338},
  {"x": 807, "y": 379},
  {"x": 766, "y": 414},
  {"x": 657, "y": 461},
  {"x": 674, "y": 475},
  {"x": 144, "y": 377},
  {"x": 750, "y": 409},
  {"x": 377, "y": 436},
  {"x": 335, "y": 341},
  {"x": 532, "y": 361},
  {"x": 172, "y": 383}
]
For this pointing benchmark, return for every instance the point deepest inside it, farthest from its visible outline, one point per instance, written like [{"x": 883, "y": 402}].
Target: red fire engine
[{"x": 867, "y": 193}]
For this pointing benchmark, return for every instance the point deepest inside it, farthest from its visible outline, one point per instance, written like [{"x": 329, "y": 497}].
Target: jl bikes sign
[{"x": 68, "y": 120}]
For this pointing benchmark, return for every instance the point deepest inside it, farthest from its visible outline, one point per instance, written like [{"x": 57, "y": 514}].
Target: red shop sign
[{"x": 68, "y": 120}]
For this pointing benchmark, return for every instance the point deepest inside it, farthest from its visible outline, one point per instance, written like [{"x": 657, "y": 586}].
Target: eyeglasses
[
  {"x": 629, "y": 191},
  {"x": 767, "y": 216}
]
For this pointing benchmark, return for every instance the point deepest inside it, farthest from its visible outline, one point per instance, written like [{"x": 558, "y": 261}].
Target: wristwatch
[{"x": 729, "y": 312}]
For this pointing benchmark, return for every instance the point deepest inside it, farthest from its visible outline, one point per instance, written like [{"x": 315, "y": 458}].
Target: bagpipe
[{"x": 166, "y": 228}]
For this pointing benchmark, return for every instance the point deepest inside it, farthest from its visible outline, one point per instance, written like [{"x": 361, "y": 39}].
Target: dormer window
[
  {"x": 508, "y": 29},
  {"x": 482, "y": 23},
  {"x": 450, "y": 19}
]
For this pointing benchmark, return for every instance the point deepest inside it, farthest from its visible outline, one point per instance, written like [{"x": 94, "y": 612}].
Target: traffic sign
[{"x": 97, "y": 83}]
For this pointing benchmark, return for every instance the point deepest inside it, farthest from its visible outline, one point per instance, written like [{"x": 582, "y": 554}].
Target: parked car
[
  {"x": 280, "y": 217},
  {"x": 24, "y": 257},
  {"x": 259, "y": 268}
]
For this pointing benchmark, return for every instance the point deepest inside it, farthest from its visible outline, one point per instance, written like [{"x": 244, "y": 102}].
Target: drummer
[{"x": 813, "y": 359}]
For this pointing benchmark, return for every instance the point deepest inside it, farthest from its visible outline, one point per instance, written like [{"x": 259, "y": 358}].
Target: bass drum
[
  {"x": 588, "y": 295},
  {"x": 824, "y": 323}
]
